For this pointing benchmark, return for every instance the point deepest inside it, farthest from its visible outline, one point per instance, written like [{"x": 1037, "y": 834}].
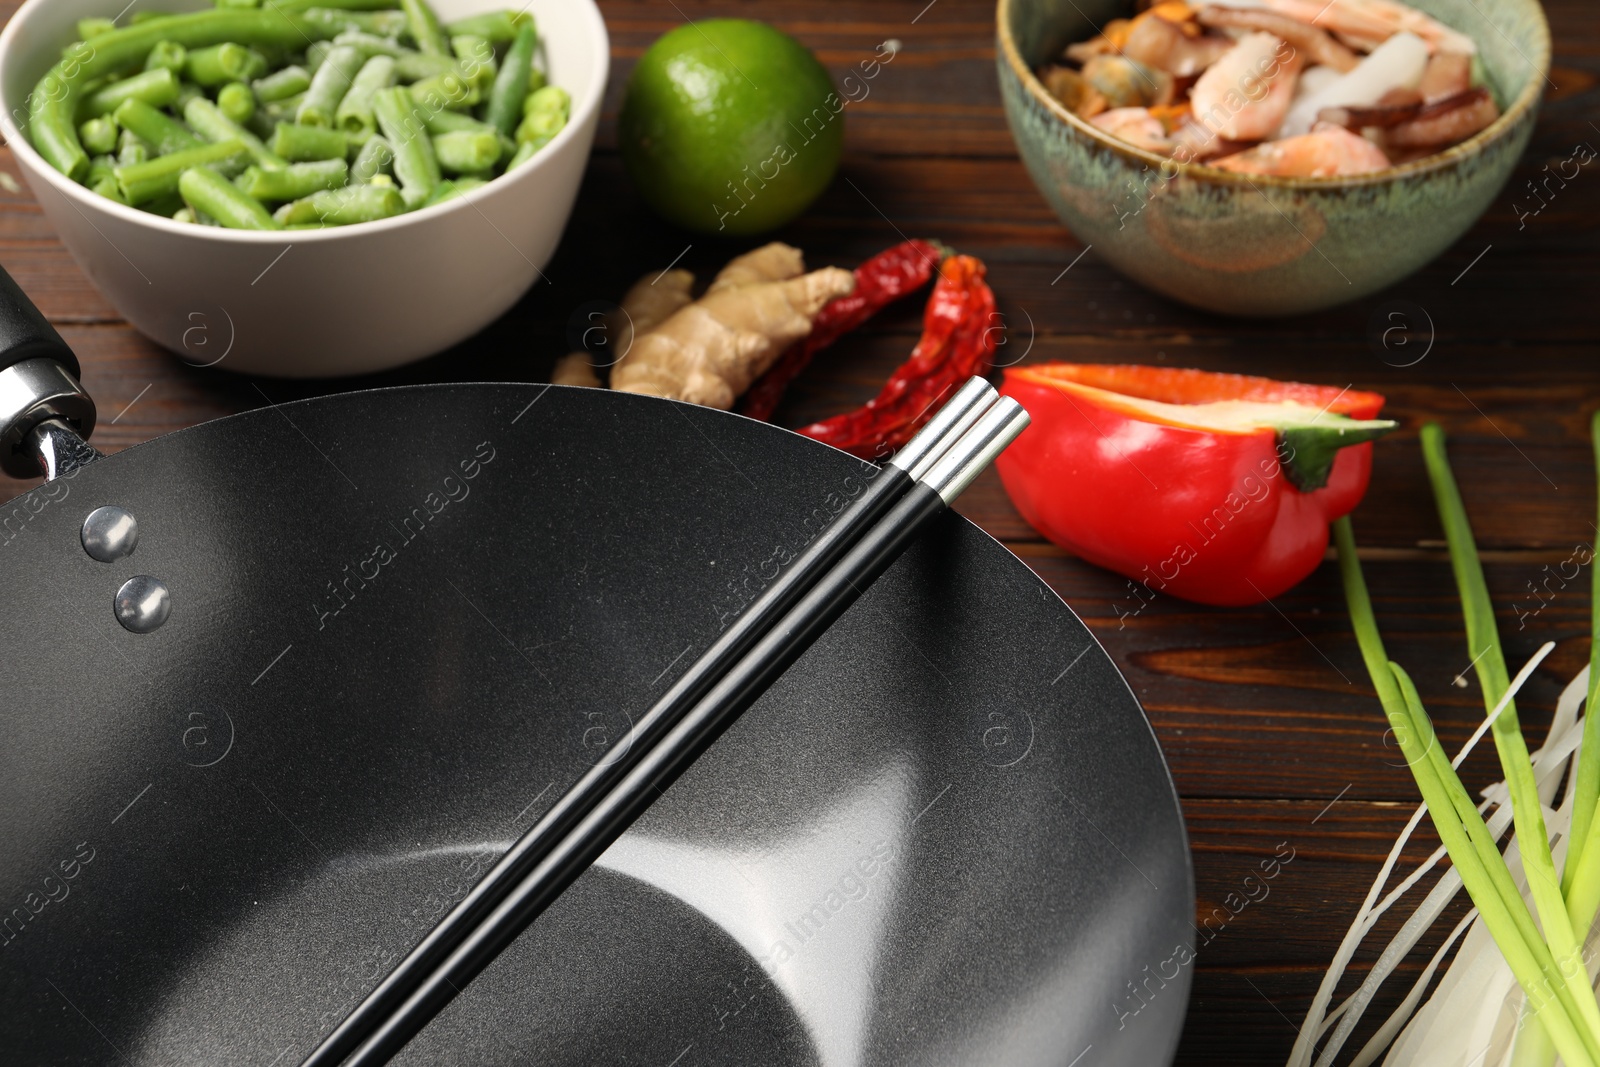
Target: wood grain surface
[{"x": 1265, "y": 714}]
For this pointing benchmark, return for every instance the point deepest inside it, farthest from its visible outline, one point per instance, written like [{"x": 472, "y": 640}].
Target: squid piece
[
  {"x": 1327, "y": 152},
  {"x": 1447, "y": 74},
  {"x": 1397, "y": 64},
  {"x": 1366, "y": 24},
  {"x": 1445, "y": 122},
  {"x": 1245, "y": 94}
]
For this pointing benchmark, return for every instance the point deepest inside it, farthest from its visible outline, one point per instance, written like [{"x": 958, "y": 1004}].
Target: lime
[{"x": 730, "y": 126}]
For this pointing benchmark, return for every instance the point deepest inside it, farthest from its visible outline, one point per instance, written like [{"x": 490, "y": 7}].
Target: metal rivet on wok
[
  {"x": 109, "y": 534},
  {"x": 143, "y": 604}
]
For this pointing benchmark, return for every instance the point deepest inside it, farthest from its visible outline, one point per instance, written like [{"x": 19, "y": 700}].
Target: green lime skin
[{"x": 730, "y": 127}]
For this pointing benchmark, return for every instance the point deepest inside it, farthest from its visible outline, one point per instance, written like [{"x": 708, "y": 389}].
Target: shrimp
[
  {"x": 1244, "y": 95},
  {"x": 1326, "y": 152},
  {"x": 1163, "y": 45},
  {"x": 1317, "y": 45},
  {"x": 1137, "y": 126},
  {"x": 1368, "y": 23}
]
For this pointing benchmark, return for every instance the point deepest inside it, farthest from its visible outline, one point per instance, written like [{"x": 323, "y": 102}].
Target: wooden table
[{"x": 1271, "y": 728}]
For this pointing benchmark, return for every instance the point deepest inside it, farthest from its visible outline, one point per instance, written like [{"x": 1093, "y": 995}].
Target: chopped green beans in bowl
[{"x": 412, "y": 164}]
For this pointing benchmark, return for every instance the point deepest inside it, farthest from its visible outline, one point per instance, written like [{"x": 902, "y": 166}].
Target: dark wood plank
[
  {"x": 1264, "y": 713},
  {"x": 1266, "y": 942}
]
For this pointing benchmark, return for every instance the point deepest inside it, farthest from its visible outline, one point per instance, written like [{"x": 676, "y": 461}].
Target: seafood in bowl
[
  {"x": 1286, "y": 226},
  {"x": 1287, "y": 88}
]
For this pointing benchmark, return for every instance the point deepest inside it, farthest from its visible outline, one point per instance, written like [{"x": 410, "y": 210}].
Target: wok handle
[
  {"x": 44, "y": 413},
  {"x": 25, "y": 333}
]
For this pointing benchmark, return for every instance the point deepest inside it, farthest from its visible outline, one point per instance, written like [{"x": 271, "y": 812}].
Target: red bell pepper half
[{"x": 1217, "y": 488}]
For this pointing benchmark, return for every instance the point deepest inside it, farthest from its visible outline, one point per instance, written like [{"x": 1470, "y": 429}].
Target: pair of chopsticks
[{"x": 913, "y": 489}]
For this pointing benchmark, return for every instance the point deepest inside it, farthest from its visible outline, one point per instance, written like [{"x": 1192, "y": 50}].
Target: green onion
[{"x": 1461, "y": 828}]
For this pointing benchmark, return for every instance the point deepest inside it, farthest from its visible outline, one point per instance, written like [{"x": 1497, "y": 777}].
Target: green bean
[
  {"x": 102, "y": 178},
  {"x": 461, "y": 152},
  {"x": 415, "y": 165},
  {"x": 525, "y": 151},
  {"x": 329, "y": 86},
  {"x": 209, "y": 121},
  {"x": 167, "y": 204},
  {"x": 343, "y": 5},
  {"x": 238, "y": 3},
  {"x": 355, "y": 115},
  {"x": 168, "y": 54},
  {"x": 290, "y": 81},
  {"x": 547, "y": 112},
  {"x": 207, "y": 191},
  {"x": 425, "y": 28},
  {"x": 450, "y": 190},
  {"x": 99, "y": 135},
  {"x": 143, "y": 18},
  {"x": 476, "y": 56},
  {"x": 158, "y": 88},
  {"x": 293, "y": 182},
  {"x": 414, "y": 66},
  {"x": 499, "y": 27},
  {"x": 343, "y": 207},
  {"x": 453, "y": 121},
  {"x": 143, "y": 182},
  {"x": 316, "y": 54},
  {"x": 101, "y": 166},
  {"x": 187, "y": 91},
  {"x": 536, "y": 81},
  {"x": 161, "y": 132},
  {"x": 381, "y": 23},
  {"x": 306, "y": 144},
  {"x": 283, "y": 110},
  {"x": 446, "y": 91},
  {"x": 186, "y": 215},
  {"x": 237, "y": 102},
  {"x": 375, "y": 158},
  {"x": 223, "y": 63},
  {"x": 132, "y": 149},
  {"x": 210, "y": 194},
  {"x": 89, "y": 29},
  {"x": 372, "y": 45},
  {"x": 511, "y": 86}
]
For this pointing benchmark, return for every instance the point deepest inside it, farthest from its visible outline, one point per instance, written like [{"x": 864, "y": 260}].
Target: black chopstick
[
  {"x": 732, "y": 694},
  {"x": 886, "y": 487}
]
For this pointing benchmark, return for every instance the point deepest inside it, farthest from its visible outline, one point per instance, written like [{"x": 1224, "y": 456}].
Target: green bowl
[{"x": 1252, "y": 245}]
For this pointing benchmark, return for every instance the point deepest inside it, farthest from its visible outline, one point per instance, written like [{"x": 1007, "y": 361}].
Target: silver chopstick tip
[
  {"x": 978, "y": 447},
  {"x": 947, "y": 426}
]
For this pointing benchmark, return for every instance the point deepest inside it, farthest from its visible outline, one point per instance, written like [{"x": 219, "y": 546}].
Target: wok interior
[{"x": 926, "y": 843}]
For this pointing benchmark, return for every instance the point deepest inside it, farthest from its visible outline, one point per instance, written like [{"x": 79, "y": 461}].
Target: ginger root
[
  {"x": 711, "y": 351},
  {"x": 650, "y": 302},
  {"x": 775, "y": 262},
  {"x": 574, "y": 368}
]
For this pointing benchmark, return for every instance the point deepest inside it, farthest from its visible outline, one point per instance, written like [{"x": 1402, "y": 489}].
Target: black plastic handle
[{"x": 25, "y": 333}]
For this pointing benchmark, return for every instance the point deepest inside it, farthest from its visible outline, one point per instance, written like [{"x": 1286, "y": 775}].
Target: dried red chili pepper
[
  {"x": 958, "y": 341},
  {"x": 884, "y": 278}
]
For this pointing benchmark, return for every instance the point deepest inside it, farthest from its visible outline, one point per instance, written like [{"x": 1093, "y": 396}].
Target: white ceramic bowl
[{"x": 318, "y": 303}]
